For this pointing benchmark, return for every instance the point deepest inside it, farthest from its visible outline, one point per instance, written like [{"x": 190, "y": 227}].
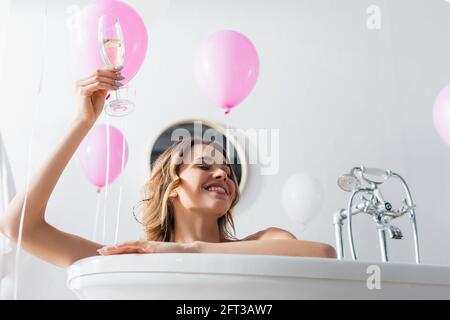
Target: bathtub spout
[{"x": 338, "y": 219}]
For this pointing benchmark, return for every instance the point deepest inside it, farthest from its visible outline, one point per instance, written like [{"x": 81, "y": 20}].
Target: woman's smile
[{"x": 216, "y": 190}]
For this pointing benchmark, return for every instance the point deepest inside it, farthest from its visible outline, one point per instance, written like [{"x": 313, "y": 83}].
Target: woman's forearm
[
  {"x": 43, "y": 182},
  {"x": 281, "y": 247}
]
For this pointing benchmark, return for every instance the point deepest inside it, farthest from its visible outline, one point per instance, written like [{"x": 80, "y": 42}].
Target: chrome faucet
[{"x": 364, "y": 182}]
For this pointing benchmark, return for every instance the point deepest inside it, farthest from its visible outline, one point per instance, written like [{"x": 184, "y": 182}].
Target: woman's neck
[{"x": 191, "y": 226}]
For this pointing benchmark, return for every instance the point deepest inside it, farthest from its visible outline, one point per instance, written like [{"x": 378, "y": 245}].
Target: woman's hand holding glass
[{"x": 93, "y": 91}]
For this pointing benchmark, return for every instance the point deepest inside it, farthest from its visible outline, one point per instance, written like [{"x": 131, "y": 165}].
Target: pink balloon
[
  {"x": 226, "y": 68},
  {"x": 441, "y": 114},
  {"x": 92, "y": 155},
  {"x": 133, "y": 29}
]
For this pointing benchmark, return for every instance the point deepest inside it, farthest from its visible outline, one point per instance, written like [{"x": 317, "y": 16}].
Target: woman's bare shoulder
[{"x": 270, "y": 233}]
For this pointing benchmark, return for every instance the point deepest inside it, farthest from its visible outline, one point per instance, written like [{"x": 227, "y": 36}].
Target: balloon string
[
  {"x": 121, "y": 180},
  {"x": 35, "y": 116},
  {"x": 2, "y": 253},
  {"x": 107, "y": 178},
  {"x": 4, "y": 199},
  {"x": 97, "y": 211},
  {"x": 22, "y": 215},
  {"x": 227, "y": 138}
]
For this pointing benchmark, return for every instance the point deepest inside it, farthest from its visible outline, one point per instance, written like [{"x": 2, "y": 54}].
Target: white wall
[{"x": 341, "y": 95}]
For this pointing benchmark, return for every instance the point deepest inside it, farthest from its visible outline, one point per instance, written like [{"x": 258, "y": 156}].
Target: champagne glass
[{"x": 112, "y": 51}]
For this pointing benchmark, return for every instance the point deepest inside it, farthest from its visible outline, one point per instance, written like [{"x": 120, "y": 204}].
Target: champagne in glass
[{"x": 112, "y": 51}]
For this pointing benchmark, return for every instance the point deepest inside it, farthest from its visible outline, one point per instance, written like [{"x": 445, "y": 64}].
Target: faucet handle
[
  {"x": 406, "y": 207},
  {"x": 375, "y": 175}
]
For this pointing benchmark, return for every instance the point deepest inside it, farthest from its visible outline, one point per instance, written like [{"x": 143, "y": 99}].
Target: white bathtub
[{"x": 225, "y": 276}]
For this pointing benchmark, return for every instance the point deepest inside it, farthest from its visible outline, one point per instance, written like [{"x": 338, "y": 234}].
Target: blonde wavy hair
[{"x": 158, "y": 217}]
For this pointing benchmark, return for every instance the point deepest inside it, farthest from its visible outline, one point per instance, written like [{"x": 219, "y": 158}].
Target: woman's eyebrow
[
  {"x": 209, "y": 160},
  {"x": 201, "y": 160}
]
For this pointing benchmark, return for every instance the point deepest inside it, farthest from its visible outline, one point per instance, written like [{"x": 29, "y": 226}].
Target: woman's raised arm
[{"x": 38, "y": 237}]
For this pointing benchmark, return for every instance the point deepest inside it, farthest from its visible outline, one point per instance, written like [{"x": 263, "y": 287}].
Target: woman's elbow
[
  {"x": 327, "y": 251},
  {"x": 274, "y": 233}
]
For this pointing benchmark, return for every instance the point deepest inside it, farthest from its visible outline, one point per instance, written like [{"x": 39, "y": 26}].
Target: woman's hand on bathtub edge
[
  {"x": 149, "y": 247},
  {"x": 277, "y": 247}
]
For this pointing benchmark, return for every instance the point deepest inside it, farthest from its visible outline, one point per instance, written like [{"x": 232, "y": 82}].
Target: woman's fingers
[
  {"x": 123, "y": 250},
  {"x": 130, "y": 247},
  {"x": 108, "y": 72},
  {"x": 129, "y": 250},
  {"x": 135, "y": 243},
  {"x": 118, "y": 251},
  {"x": 83, "y": 83},
  {"x": 92, "y": 88},
  {"x": 106, "y": 75}
]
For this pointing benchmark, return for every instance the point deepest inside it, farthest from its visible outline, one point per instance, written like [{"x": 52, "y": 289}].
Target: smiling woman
[
  {"x": 188, "y": 208},
  {"x": 188, "y": 202},
  {"x": 190, "y": 194}
]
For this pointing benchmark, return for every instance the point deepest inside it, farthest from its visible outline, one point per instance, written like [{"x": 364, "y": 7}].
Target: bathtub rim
[{"x": 259, "y": 265}]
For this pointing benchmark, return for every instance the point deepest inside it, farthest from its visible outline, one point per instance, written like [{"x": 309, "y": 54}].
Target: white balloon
[{"x": 302, "y": 197}]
